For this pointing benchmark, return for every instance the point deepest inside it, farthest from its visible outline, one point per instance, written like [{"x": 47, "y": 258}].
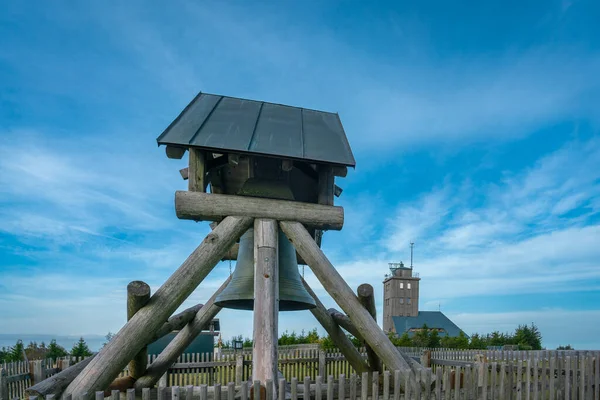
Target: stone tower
[{"x": 400, "y": 295}]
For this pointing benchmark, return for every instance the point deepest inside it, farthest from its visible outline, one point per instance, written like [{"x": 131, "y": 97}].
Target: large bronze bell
[{"x": 239, "y": 293}]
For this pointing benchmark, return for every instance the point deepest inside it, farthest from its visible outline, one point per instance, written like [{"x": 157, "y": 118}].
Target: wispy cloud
[
  {"x": 404, "y": 101},
  {"x": 515, "y": 242}
]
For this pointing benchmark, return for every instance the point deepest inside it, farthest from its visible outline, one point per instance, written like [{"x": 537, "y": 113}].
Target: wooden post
[
  {"x": 336, "y": 334},
  {"x": 138, "y": 295},
  {"x": 266, "y": 301},
  {"x": 322, "y": 363},
  {"x": 164, "y": 379},
  {"x": 196, "y": 170},
  {"x": 112, "y": 358},
  {"x": 239, "y": 369},
  {"x": 213, "y": 207},
  {"x": 38, "y": 371},
  {"x": 367, "y": 299},
  {"x": 326, "y": 186},
  {"x": 343, "y": 295},
  {"x": 3, "y": 385},
  {"x": 181, "y": 341},
  {"x": 426, "y": 358}
]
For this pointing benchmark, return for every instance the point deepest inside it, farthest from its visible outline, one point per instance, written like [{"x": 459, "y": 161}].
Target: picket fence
[{"x": 463, "y": 375}]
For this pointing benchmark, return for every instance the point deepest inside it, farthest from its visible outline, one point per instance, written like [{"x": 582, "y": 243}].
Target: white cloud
[
  {"x": 403, "y": 102},
  {"x": 514, "y": 243}
]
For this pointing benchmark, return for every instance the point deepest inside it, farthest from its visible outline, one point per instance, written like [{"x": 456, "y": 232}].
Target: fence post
[
  {"x": 479, "y": 362},
  {"x": 66, "y": 362},
  {"x": 3, "y": 385},
  {"x": 322, "y": 362},
  {"x": 239, "y": 369},
  {"x": 38, "y": 371},
  {"x": 426, "y": 358},
  {"x": 164, "y": 380}
]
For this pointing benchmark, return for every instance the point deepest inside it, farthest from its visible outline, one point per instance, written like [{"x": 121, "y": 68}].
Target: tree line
[
  {"x": 35, "y": 351},
  {"x": 525, "y": 337}
]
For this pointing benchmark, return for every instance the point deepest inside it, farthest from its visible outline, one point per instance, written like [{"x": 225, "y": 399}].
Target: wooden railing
[
  {"x": 460, "y": 383},
  {"x": 496, "y": 373}
]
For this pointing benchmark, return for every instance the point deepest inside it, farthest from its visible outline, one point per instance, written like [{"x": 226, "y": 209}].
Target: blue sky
[{"x": 475, "y": 126}]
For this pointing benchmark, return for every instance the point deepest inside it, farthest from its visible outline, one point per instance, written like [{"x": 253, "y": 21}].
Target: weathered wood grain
[
  {"x": 213, "y": 207},
  {"x": 343, "y": 295},
  {"x": 138, "y": 295},
  {"x": 366, "y": 297},
  {"x": 266, "y": 301},
  {"x": 56, "y": 384},
  {"x": 344, "y": 321},
  {"x": 196, "y": 170},
  {"x": 112, "y": 358},
  {"x": 181, "y": 341}
]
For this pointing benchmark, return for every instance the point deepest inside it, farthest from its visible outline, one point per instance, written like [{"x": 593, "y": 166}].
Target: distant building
[
  {"x": 401, "y": 305},
  {"x": 203, "y": 343}
]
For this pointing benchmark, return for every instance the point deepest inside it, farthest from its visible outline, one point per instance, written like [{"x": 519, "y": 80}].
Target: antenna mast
[{"x": 411, "y": 254}]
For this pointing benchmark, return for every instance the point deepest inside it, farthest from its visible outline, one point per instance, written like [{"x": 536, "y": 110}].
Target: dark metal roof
[
  {"x": 216, "y": 123},
  {"x": 433, "y": 319}
]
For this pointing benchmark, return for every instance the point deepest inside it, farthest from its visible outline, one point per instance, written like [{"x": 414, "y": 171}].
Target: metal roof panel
[
  {"x": 232, "y": 124},
  {"x": 279, "y": 131},
  {"x": 185, "y": 126}
]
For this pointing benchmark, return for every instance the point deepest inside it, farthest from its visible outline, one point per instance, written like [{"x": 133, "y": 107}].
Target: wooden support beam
[
  {"x": 337, "y": 191},
  {"x": 112, "y": 358},
  {"x": 213, "y": 207},
  {"x": 325, "y": 190},
  {"x": 138, "y": 295},
  {"x": 185, "y": 173},
  {"x": 176, "y": 322},
  {"x": 342, "y": 320},
  {"x": 340, "y": 171},
  {"x": 367, "y": 299},
  {"x": 175, "y": 152},
  {"x": 266, "y": 301},
  {"x": 343, "y": 295},
  {"x": 57, "y": 383},
  {"x": 336, "y": 334},
  {"x": 196, "y": 171},
  {"x": 181, "y": 341}
]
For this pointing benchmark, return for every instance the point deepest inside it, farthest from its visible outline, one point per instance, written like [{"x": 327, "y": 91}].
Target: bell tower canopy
[{"x": 223, "y": 124}]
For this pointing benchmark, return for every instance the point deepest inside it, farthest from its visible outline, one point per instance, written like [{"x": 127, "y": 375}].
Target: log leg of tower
[
  {"x": 367, "y": 299},
  {"x": 134, "y": 335},
  {"x": 337, "y": 335},
  {"x": 181, "y": 341},
  {"x": 344, "y": 322},
  {"x": 138, "y": 294},
  {"x": 266, "y": 301},
  {"x": 57, "y": 383},
  {"x": 345, "y": 297}
]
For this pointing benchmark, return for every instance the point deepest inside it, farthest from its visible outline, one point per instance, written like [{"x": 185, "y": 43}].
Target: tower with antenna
[{"x": 400, "y": 293}]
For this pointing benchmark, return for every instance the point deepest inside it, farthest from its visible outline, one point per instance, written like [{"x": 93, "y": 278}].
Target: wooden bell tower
[{"x": 230, "y": 141}]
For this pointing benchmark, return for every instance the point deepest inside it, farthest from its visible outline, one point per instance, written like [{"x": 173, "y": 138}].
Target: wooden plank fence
[
  {"x": 460, "y": 383},
  {"x": 568, "y": 375}
]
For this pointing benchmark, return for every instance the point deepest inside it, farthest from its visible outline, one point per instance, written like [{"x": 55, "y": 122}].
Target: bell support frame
[{"x": 132, "y": 338}]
